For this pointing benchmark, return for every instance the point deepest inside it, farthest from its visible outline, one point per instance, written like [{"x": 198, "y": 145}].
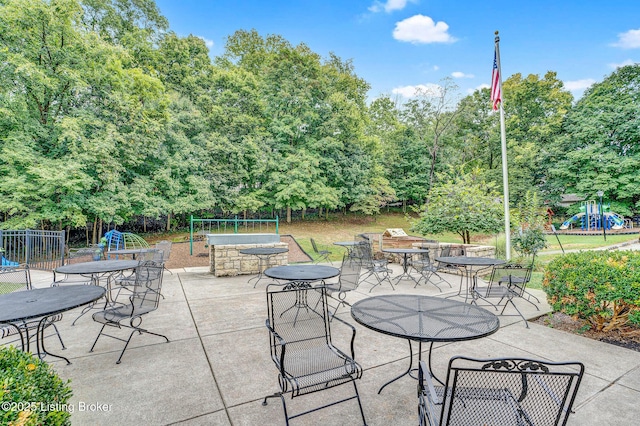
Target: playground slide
[
  {"x": 575, "y": 217},
  {"x": 618, "y": 222},
  {"x": 7, "y": 262}
]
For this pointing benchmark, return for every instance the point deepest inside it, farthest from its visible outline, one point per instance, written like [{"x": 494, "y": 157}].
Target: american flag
[{"x": 496, "y": 93}]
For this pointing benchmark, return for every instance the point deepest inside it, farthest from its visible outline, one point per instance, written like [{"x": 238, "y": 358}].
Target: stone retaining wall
[{"x": 226, "y": 260}]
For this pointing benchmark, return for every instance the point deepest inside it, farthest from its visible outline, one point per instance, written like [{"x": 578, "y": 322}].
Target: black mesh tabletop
[
  {"x": 133, "y": 251},
  {"x": 302, "y": 273},
  {"x": 264, "y": 251},
  {"x": 424, "y": 318},
  {"x": 470, "y": 261},
  {"x": 24, "y": 305},
  {"x": 346, "y": 243},
  {"x": 98, "y": 267},
  {"x": 405, "y": 250}
]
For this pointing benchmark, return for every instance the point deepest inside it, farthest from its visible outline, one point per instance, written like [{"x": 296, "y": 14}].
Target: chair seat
[
  {"x": 330, "y": 369},
  {"x": 117, "y": 314},
  {"x": 493, "y": 291}
]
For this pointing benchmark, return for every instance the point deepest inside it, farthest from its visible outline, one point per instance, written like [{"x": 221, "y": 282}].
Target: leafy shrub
[
  {"x": 529, "y": 241},
  {"x": 598, "y": 286},
  {"x": 32, "y": 393}
]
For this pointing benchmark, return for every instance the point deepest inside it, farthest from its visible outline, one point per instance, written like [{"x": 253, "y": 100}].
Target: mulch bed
[{"x": 628, "y": 338}]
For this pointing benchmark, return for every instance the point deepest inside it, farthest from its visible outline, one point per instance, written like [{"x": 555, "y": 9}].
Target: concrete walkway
[{"x": 217, "y": 368}]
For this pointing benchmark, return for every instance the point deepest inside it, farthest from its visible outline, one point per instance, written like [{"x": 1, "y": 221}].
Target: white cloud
[
  {"x": 622, "y": 64},
  {"x": 388, "y": 6},
  {"x": 428, "y": 89},
  {"x": 628, "y": 40},
  {"x": 422, "y": 29},
  {"x": 482, "y": 86},
  {"x": 579, "y": 85},
  {"x": 207, "y": 42},
  {"x": 460, "y": 74}
]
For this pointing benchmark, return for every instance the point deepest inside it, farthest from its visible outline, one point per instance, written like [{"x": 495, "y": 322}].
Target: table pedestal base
[{"x": 411, "y": 368}]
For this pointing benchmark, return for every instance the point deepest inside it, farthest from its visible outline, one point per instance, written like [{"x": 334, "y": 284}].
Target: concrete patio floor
[{"x": 217, "y": 369}]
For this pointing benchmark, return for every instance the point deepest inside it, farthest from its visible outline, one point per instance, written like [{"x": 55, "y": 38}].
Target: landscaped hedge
[
  {"x": 601, "y": 287},
  {"x": 32, "y": 393}
]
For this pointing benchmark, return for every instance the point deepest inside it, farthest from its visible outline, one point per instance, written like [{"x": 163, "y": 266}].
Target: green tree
[
  {"x": 529, "y": 217},
  {"x": 462, "y": 203},
  {"x": 599, "y": 149},
  {"x": 431, "y": 116}
]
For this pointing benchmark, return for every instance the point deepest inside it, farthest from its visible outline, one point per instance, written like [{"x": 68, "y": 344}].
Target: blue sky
[{"x": 399, "y": 45}]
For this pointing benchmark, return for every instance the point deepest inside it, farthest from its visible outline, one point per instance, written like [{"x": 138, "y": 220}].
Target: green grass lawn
[{"x": 582, "y": 242}]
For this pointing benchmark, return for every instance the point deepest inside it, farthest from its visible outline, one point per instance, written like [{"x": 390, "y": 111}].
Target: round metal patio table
[
  {"x": 468, "y": 263},
  {"x": 302, "y": 275},
  {"x": 405, "y": 252},
  {"x": 43, "y": 303},
  {"x": 423, "y": 319},
  {"x": 263, "y": 254}
]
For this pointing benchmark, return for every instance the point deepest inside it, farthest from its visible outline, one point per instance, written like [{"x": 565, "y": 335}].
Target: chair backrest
[
  {"x": 84, "y": 254},
  {"x": 349, "y": 273},
  {"x": 509, "y": 391},
  {"x": 164, "y": 247},
  {"x": 14, "y": 279},
  {"x": 423, "y": 259},
  {"x": 446, "y": 251},
  {"x": 456, "y": 251},
  {"x": 150, "y": 254},
  {"x": 513, "y": 275},
  {"x": 299, "y": 316},
  {"x": 365, "y": 245},
  {"x": 313, "y": 244},
  {"x": 147, "y": 287}
]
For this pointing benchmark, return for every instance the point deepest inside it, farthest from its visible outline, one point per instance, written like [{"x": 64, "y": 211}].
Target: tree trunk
[
  {"x": 304, "y": 211},
  {"x": 168, "y": 222},
  {"x": 288, "y": 214},
  {"x": 144, "y": 223}
]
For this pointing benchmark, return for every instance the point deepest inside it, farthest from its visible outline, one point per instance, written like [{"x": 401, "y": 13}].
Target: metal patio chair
[
  {"x": 19, "y": 279},
  {"x": 499, "y": 392},
  {"x": 506, "y": 283},
  {"x": 372, "y": 268},
  {"x": 427, "y": 268},
  {"x": 322, "y": 255},
  {"x": 301, "y": 346},
  {"x": 143, "y": 300},
  {"x": 348, "y": 280}
]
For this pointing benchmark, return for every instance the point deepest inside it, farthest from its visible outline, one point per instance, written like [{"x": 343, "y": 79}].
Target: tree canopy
[{"x": 107, "y": 117}]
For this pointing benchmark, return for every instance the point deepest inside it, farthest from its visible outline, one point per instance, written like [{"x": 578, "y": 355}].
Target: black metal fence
[{"x": 35, "y": 248}]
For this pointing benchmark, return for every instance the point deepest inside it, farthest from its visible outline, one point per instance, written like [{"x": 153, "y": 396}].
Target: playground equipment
[
  {"x": 117, "y": 240},
  {"x": 593, "y": 217},
  {"x": 6, "y": 262}
]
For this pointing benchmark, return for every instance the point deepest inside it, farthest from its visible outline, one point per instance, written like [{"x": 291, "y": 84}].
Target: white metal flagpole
[{"x": 503, "y": 140}]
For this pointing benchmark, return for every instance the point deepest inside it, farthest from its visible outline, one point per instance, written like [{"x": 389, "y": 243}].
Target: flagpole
[{"x": 505, "y": 175}]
